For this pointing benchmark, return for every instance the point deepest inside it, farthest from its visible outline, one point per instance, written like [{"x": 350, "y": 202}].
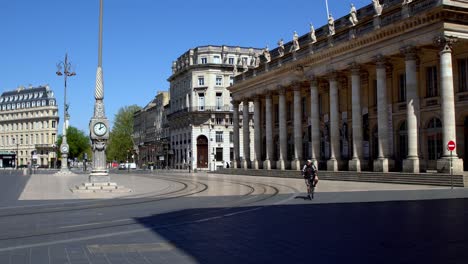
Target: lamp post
[
  {"x": 17, "y": 152},
  {"x": 67, "y": 72}
]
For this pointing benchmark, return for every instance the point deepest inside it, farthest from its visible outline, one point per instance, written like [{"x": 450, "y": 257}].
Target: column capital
[
  {"x": 333, "y": 76},
  {"x": 256, "y": 97},
  {"x": 445, "y": 43},
  {"x": 281, "y": 90},
  {"x": 245, "y": 101},
  {"x": 381, "y": 61},
  {"x": 296, "y": 86},
  {"x": 235, "y": 103},
  {"x": 355, "y": 68},
  {"x": 410, "y": 53},
  {"x": 313, "y": 82}
]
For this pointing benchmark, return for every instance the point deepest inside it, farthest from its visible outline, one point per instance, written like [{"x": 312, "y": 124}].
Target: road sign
[{"x": 451, "y": 145}]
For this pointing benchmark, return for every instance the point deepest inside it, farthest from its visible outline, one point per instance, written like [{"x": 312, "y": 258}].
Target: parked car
[
  {"x": 125, "y": 166},
  {"x": 122, "y": 166}
]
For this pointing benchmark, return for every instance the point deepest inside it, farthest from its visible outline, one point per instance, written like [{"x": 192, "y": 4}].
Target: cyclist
[{"x": 309, "y": 172}]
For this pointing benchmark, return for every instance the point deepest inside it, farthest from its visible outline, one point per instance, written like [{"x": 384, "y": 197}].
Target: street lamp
[{"x": 66, "y": 66}]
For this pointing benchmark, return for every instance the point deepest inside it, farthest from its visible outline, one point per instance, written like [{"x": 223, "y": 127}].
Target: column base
[
  {"x": 411, "y": 165},
  {"x": 465, "y": 181},
  {"x": 381, "y": 165},
  {"x": 281, "y": 165},
  {"x": 296, "y": 164},
  {"x": 267, "y": 165},
  {"x": 354, "y": 165},
  {"x": 256, "y": 165},
  {"x": 246, "y": 164},
  {"x": 236, "y": 164},
  {"x": 99, "y": 177},
  {"x": 332, "y": 165},
  {"x": 443, "y": 165}
]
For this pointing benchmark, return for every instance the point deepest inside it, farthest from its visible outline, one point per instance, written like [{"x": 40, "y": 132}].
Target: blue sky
[{"x": 141, "y": 39}]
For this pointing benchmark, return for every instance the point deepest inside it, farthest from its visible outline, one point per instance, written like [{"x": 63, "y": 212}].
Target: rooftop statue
[
  {"x": 312, "y": 33},
  {"x": 331, "y": 25},
  {"x": 295, "y": 42},
  {"x": 353, "y": 15},
  {"x": 377, "y": 7},
  {"x": 281, "y": 47},
  {"x": 266, "y": 54}
]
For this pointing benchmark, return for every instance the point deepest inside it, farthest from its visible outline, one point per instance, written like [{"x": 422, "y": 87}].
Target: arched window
[{"x": 434, "y": 139}]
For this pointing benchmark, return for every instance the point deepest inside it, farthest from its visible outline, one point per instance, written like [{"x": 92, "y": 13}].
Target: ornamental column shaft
[
  {"x": 381, "y": 163},
  {"x": 257, "y": 135},
  {"x": 315, "y": 122},
  {"x": 281, "y": 164},
  {"x": 269, "y": 132},
  {"x": 447, "y": 106},
  {"x": 411, "y": 163},
  {"x": 355, "y": 162},
  {"x": 296, "y": 163},
  {"x": 235, "y": 121},
  {"x": 246, "y": 135},
  {"x": 332, "y": 163}
]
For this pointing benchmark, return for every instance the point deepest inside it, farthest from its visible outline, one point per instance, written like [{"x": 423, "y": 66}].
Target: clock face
[
  {"x": 64, "y": 149},
  {"x": 100, "y": 129}
]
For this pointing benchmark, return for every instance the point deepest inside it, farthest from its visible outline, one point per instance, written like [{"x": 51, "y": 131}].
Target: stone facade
[
  {"x": 28, "y": 125},
  {"x": 201, "y": 114},
  {"x": 148, "y": 131},
  {"x": 385, "y": 93}
]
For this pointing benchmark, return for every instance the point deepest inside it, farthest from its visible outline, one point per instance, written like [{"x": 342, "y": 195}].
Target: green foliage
[
  {"x": 78, "y": 142},
  {"x": 120, "y": 138}
]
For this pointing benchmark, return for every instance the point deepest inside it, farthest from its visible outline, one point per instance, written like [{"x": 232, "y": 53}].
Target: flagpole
[{"x": 328, "y": 13}]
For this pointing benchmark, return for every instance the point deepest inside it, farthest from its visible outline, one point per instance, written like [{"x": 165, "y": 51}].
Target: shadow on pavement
[
  {"x": 425, "y": 231},
  {"x": 13, "y": 184}
]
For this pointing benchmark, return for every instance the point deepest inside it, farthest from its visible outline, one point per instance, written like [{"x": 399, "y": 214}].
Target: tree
[
  {"x": 120, "y": 138},
  {"x": 78, "y": 143}
]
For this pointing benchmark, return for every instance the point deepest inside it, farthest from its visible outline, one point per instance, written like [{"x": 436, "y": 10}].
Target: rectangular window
[
  {"x": 231, "y": 154},
  {"x": 201, "y": 102},
  {"x": 231, "y": 137},
  {"x": 203, "y": 60},
  {"x": 219, "y": 136},
  {"x": 402, "y": 88},
  {"x": 219, "y": 101},
  {"x": 201, "y": 80},
  {"x": 463, "y": 75},
  {"x": 219, "y": 80},
  {"x": 375, "y": 91},
  {"x": 219, "y": 121},
  {"x": 276, "y": 117},
  {"x": 219, "y": 154},
  {"x": 320, "y": 103},
  {"x": 231, "y": 60},
  {"x": 216, "y": 59},
  {"x": 304, "y": 107},
  {"x": 231, "y": 80},
  {"x": 53, "y": 124},
  {"x": 431, "y": 82}
]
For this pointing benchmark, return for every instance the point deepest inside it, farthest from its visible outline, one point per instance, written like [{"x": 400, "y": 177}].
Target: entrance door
[{"x": 202, "y": 152}]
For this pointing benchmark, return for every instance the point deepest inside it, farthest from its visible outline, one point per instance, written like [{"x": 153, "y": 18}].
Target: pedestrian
[{"x": 309, "y": 172}]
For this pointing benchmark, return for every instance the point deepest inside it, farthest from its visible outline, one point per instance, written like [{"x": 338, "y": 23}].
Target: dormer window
[{"x": 204, "y": 60}]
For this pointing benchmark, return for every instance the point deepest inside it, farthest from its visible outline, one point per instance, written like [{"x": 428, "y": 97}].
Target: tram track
[{"x": 258, "y": 192}]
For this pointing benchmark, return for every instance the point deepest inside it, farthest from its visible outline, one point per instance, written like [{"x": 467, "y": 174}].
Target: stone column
[
  {"x": 447, "y": 106},
  {"x": 296, "y": 163},
  {"x": 355, "y": 163},
  {"x": 381, "y": 163},
  {"x": 257, "y": 135},
  {"x": 246, "y": 135},
  {"x": 267, "y": 164},
  {"x": 315, "y": 121},
  {"x": 411, "y": 163},
  {"x": 235, "y": 122},
  {"x": 281, "y": 163},
  {"x": 332, "y": 163}
]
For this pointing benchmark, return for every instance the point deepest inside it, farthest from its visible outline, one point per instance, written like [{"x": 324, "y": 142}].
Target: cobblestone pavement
[{"x": 176, "y": 217}]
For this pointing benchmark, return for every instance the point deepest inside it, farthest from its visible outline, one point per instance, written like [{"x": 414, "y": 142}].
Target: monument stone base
[
  {"x": 99, "y": 187},
  {"x": 256, "y": 165}
]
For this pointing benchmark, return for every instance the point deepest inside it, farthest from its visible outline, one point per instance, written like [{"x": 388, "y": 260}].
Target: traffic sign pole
[{"x": 451, "y": 147}]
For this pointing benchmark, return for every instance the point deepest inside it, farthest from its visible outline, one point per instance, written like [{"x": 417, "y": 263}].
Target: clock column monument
[{"x": 99, "y": 125}]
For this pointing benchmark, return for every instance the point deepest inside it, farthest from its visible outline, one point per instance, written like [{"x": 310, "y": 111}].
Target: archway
[{"x": 202, "y": 152}]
